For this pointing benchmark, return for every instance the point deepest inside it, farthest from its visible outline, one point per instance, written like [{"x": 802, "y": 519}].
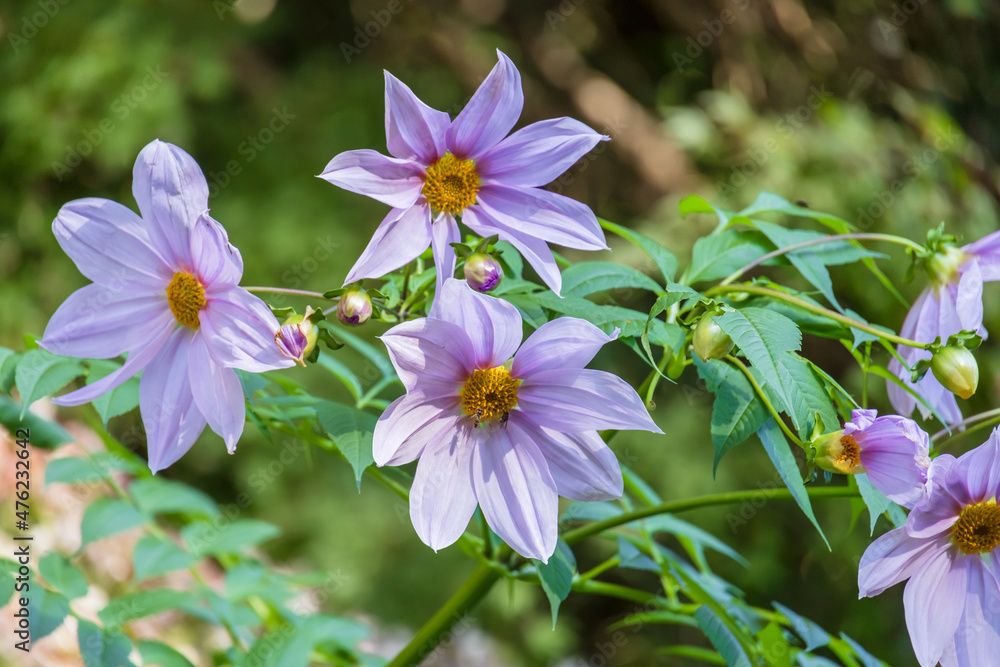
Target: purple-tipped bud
[
  {"x": 482, "y": 272},
  {"x": 354, "y": 308},
  {"x": 297, "y": 337},
  {"x": 710, "y": 341},
  {"x": 956, "y": 369}
]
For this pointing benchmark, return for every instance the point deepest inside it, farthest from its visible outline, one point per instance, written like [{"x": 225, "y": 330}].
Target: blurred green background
[{"x": 883, "y": 113}]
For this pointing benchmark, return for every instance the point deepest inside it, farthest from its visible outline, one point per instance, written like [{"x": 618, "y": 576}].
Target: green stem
[
  {"x": 765, "y": 400},
  {"x": 729, "y": 497},
  {"x": 826, "y": 239},
  {"x": 819, "y": 310},
  {"x": 989, "y": 414},
  {"x": 441, "y": 623},
  {"x": 285, "y": 290}
]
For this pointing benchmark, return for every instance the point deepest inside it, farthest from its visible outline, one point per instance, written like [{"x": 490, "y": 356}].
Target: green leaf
[
  {"x": 722, "y": 638},
  {"x": 127, "y": 608},
  {"x": 718, "y": 255},
  {"x": 154, "y": 556},
  {"x": 44, "y": 434},
  {"x": 8, "y": 574},
  {"x": 807, "y": 395},
  {"x": 105, "y": 517},
  {"x": 351, "y": 430},
  {"x": 161, "y": 655},
  {"x": 867, "y": 659},
  {"x": 737, "y": 412},
  {"x": 663, "y": 258},
  {"x": 342, "y": 373},
  {"x": 159, "y": 496},
  {"x": 784, "y": 462},
  {"x": 630, "y": 557},
  {"x": 103, "y": 649},
  {"x": 696, "y": 204},
  {"x": 811, "y": 261},
  {"x": 768, "y": 202},
  {"x": 208, "y": 539},
  {"x": 158, "y": 654},
  {"x": 75, "y": 470},
  {"x": 694, "y": 539},
  {"x": 251, "y": 383},
  {"x": 40, "y": 373},
  {"x": 811, "y": 633},
  {"x": 774, "y": 645},
  {"x": 876, "y": 503},
  {"x": 377, "y": 357},
  {"x": 62, "y": 575},
  {"x": 511, "y": 260},
  {"x": 763, "y": 337},
  {"x": 8, "y": 366},
  {"x": 119, "y": 400},
  {"x": 588, "y": 277},
  {"x": 46, "y": 611},
  {"x": 557, "y": 576},
  {"x": 295, "y": 647}
]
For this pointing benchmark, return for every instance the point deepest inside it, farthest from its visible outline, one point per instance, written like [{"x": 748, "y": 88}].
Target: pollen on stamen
[
  {"x": 186, "y": 297},
  {"x": 451, "y": 184},
  {"x": 489, "y": 395},
  {"x": 850, "y": 456},
  {"x": 977, "y": 530}
]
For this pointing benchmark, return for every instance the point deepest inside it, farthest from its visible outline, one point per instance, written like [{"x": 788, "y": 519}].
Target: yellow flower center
[
  {"x": 850, "y": 455},
  {"x": 186, "y": 297},
  {"x": 451, "y": 184},
  {"x": 489, "y": 395},
  {"x": 977, "y": 530}
]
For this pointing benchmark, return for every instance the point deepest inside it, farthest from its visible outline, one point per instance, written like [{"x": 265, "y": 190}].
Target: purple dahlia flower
[
  {"x": 951, "y": 303},
  {"x": 469, "y": 167},
  {"x": 948, "y": 551},
  {"x": 892, "y": 450},
  {"x": 510, "y": 437},
  {"x": 166, "y": 292}
]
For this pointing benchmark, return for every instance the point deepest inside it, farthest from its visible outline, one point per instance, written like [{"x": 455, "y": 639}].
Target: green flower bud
[
  {"x": 942, "y": 267},
  {"x": 710, "y": 341},
  {"x": 837, "y": 452},
  {"x": 956, "y": 369},
  {"x": 355, "y": 307}
]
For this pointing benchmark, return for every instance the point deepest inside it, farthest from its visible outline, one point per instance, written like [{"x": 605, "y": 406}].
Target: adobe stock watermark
[
  {"x": 249, "y": 149},
  {"x": 364, "y": 34},
  {"x": 901, "y": 13},
  {"x": 559, "y": 15},
  {"x": 713, "y": 30},
  {"x": 755, "y": 158},
  {"x": 912, "y": 169},
  {"x": 120, "y": 109},
  {"x": 31, "y": 24}
]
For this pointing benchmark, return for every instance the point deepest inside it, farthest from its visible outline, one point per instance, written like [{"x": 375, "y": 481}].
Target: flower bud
[
  {"x": 710, "y": 341},
  {"x": 943, "y": 266},
  {"x": 354, "y": 308},
  {"x": 482, "y": 272},
  {"x": 837, "y": 452},
  {"x": 297, "y": 337},
  {"x": 956, "y": 369}
]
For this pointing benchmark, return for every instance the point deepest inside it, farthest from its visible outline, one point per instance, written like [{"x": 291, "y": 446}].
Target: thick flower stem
[
  {"x": 285, "y": 290},
  {"x": 765, "y": 400},
  {"x": 440, "y": 624},
  {"x": 819, "y": 310},
  {"x": 826, "y": 239},
  {"x": 577, "y": 534}
]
